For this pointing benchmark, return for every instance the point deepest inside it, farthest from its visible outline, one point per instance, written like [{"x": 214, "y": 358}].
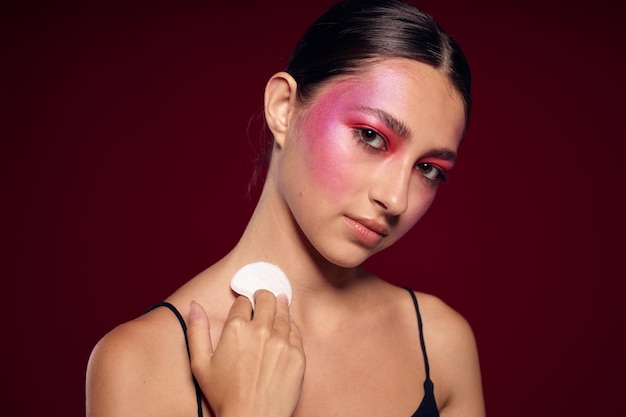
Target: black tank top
[{"x": 427, "y": 408}]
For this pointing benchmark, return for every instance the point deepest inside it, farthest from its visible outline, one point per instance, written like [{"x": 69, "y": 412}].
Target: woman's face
[{"x": 362, "y": 161}]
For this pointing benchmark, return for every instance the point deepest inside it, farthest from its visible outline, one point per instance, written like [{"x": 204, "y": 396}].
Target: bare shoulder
[
  {"x": 453, "y": 358},
  {"x": 443, "y": 321},
  {"x": 141, "y": 368}
]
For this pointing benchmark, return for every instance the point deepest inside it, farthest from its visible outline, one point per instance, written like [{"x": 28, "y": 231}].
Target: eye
[
  {"x": 371, "y": 138},
  {"x": 431, "y": 172}
]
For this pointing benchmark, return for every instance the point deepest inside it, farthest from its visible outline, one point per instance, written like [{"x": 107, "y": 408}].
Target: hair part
[{"x": 355, "y": 32}]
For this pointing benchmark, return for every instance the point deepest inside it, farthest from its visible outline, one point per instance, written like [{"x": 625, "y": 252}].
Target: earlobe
[{"x": 280, "y": 97}]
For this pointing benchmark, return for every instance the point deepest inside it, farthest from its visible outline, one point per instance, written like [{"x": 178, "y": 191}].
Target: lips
[{"x": 367, "y": 231}]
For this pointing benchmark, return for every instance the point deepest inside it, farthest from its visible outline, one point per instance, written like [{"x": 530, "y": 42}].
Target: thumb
[{"x": 199, "y": 338}]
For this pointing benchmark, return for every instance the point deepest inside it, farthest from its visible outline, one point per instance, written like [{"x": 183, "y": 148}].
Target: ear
[{"x": 280, "y": 99}]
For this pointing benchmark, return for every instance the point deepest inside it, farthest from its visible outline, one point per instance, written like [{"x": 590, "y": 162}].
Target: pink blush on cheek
[{"x": 329, "y": 146}]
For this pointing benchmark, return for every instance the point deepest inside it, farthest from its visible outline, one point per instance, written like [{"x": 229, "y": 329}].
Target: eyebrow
[
  {"x": 402, "y": 130},
  {"x": 443, "y": 154},
  {"x": 398, "y": 127}
]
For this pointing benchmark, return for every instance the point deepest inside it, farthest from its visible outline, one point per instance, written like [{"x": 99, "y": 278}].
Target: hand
[{"x": 257, "y": 367}]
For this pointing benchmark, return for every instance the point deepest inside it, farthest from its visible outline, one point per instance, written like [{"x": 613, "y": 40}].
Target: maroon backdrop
[{"x": 127, "y": 135}]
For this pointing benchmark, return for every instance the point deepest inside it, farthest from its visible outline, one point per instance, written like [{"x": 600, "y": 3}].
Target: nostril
[{"x": 380, "y": 203}]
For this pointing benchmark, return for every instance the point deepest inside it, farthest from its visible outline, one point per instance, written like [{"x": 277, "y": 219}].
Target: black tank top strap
[
  {"x": 428, "y": 406},
  {"x": 184, "y": 326},
  {"x": 421, "y": 332}
]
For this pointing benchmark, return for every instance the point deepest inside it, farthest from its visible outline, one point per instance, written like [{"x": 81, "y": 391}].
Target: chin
[{"x": 348, "y": 258}]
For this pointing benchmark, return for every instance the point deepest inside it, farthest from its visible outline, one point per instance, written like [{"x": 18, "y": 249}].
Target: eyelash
[
  {"x": 360, "y": 133},
  {"x": 441, "y": 175}
]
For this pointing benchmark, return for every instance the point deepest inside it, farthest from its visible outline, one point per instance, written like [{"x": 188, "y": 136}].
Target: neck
[{"x": 273, "y": 235}]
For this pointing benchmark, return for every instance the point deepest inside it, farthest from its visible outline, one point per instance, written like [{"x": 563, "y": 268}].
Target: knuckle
[
  {"x": 278, "y": 344},
  {"x": 236, "y": 322},
  {"x": 298, "y": 359},
  {"x": 263, "y": 333}
]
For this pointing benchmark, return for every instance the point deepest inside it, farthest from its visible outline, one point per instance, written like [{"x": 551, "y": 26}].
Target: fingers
[
  {"x": 259, "y": 358},
  {"x": 295, "y": 336},
  {"x": 282, "y": 318},
  {"x": 241, "y": 308},
  {"x": 199, "y": 337},
  {"x": 270, "y": 313},
  {"x": 273, "y": 312},
  {"x": 265, "y": 307}
]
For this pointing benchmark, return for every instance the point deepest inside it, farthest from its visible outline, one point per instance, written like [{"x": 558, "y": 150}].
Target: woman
[{"x": 366, "y": 120}]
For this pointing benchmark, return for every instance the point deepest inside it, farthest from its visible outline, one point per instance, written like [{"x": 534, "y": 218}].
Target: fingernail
[{"x": 282, "y": 298}]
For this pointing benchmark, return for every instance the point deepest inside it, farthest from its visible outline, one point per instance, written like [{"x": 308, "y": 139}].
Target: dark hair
[{"x": 354, "y": 33}]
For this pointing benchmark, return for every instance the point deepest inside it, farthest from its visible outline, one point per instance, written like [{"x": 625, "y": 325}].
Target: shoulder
[
  {"x": 448, "y": 335},
  {"x": 453, "y": 358},
  {"x": 139, "y": 368},
  {"x": 443, "y": 322}
]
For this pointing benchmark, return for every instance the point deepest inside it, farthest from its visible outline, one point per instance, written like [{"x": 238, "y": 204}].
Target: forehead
[{"x": 415, "y": 93}]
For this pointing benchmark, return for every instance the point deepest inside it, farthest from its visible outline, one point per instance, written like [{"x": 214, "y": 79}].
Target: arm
[
  {"x": 466, "y": 395},
  {"x": 257, "y": 368},
  {"x": 141, "y": 369},
  {"x": 453, "y": 357}
]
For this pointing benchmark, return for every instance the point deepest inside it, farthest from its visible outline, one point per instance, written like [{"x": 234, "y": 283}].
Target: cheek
[
  {"x": 419, "y": 205},
  {"x": 329, "y": 155}
]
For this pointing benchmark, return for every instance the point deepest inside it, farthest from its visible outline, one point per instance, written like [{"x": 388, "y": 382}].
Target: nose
[{"x": 390, "y": 189}]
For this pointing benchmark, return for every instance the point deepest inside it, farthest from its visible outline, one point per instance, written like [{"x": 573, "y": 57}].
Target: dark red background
[{"x": 126, "y": 155}]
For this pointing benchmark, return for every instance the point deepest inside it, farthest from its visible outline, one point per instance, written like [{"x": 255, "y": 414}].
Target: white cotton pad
[{"x": 260, "y": 276}]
